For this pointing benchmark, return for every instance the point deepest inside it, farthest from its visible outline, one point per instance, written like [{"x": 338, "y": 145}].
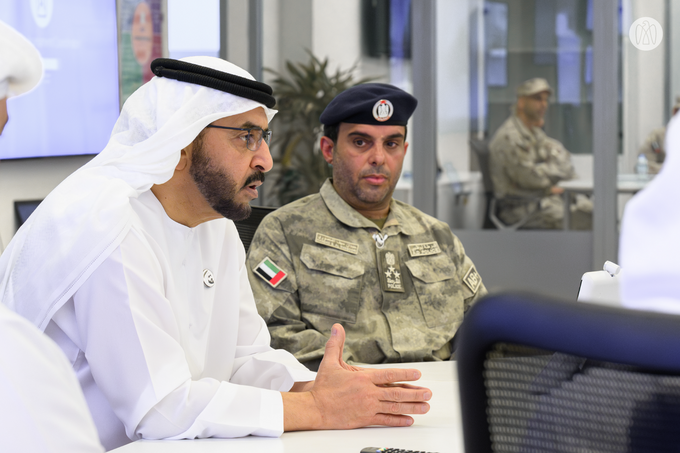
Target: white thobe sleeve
[
  {"x": 256, "y": 362},
  {"x": 41, "y": 405},
  {"x": 133, "y": 345}
]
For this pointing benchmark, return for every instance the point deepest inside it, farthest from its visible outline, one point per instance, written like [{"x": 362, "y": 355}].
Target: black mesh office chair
[
  {"x": 246, "y": 228},
  {"x": 491, "y": 220},
  {"x": 481, "y": 151},
  {"x": 540, "y": 375}
]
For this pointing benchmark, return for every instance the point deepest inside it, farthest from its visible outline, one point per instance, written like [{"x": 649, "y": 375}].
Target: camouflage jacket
[
  {"x": 526, "y": 162},
  {"x": 654, "y": 149},
  {"x": 403, "y": 302}
]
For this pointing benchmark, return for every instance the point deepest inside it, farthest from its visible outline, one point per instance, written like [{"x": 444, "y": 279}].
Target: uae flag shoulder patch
[{"x": 270, "y": 272}]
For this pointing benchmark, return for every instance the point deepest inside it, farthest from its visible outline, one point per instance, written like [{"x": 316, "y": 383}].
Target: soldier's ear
[{"x": 326, "y": 145}]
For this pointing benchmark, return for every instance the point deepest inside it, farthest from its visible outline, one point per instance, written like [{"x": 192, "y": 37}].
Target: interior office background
[{"x": 463, "y": 60}]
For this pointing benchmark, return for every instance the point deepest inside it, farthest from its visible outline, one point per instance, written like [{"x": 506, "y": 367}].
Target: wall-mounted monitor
[{"x": 73, "y": 110}]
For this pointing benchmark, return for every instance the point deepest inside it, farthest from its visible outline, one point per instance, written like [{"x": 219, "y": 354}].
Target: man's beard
[
  {"x": 535, "y": 117},
  {"x": 218, "y": 188}
]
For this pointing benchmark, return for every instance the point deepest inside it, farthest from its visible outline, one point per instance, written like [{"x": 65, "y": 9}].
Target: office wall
[
  {"x": 336, "y": 33},
  {"x": 193, "y": 28},
  {"x": 237, "y": 32},
  {"x": 271, "y": 29}
]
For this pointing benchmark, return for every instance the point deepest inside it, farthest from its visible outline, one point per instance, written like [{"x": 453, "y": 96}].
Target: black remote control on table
[{"x": 389, "y": 450}]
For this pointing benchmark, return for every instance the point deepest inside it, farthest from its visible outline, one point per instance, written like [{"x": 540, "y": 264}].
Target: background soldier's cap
[
  {"x": 363, "y": 104},
  {"x": 533, "y": 86},
  {"x": 676, "y": 106}
]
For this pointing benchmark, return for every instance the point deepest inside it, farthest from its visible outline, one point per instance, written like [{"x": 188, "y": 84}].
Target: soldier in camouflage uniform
[
  {"x": 654, "y": 147},
  {"x": 526, "y": 166},
  {"x": 397, "y": 279}
]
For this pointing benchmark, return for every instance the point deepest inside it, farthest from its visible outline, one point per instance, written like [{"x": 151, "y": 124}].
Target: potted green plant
[{"x": 301, "y": 96}]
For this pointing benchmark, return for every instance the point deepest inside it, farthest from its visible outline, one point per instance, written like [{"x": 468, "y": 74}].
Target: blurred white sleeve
[{"x": 42, "y": 408}]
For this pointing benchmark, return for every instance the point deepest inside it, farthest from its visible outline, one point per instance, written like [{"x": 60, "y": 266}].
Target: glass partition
[
  {"x": 543, "y": 133},
  {"x": 513, "y": 41},
  {"x": 484, "y": 51}
]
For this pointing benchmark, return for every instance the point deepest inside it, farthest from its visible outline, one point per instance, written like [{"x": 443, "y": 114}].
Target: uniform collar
[
  {"x": 533, "y": 133},
  {"x": 350, "y": 217}
]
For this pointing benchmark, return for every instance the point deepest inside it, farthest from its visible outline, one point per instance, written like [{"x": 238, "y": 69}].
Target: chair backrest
[
  {"x": 481, "y": 150},
  {"x": 247, "y": 227},
  {"x": 553, "y": 376}
]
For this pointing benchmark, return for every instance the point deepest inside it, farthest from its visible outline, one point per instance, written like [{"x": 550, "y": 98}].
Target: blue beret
[{"x": 370, "y": 103}]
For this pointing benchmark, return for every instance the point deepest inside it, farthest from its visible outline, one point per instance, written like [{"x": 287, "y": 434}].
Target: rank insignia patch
[
  {"x": 390, "y": 276},
  {"x": 270, "y": 272},
  {"x": 472, "y": 279}
]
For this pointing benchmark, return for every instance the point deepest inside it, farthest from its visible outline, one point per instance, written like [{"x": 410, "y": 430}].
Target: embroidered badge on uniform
[
  {"x": 424, "y": 249},
  {"x": 339, "y": 244},
  {"x": 472, "y": 279},
  {"x": 270, "y": 272}
]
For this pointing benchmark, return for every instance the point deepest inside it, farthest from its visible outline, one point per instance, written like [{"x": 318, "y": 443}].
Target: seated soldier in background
[
  {"x": 397, "y": 279},
  {"x": 654, "y": 147},
  {"x": 526, "y": 166}
]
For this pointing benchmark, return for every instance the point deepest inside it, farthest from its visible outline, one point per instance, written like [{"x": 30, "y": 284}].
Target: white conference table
[
  {"x": 440, "y": 430},
  {"x": 625, "y": 183}
]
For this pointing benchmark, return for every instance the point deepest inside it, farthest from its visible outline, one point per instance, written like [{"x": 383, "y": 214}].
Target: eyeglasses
[{"x": 253, "y": 138}]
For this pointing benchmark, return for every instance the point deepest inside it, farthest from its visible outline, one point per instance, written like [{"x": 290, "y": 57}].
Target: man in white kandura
[
  {"x": 42, "y": 408},
  {"x": 133, "y": 267}
]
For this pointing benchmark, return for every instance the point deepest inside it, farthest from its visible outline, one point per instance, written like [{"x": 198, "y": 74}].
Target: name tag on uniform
[
  {"x": 424, "y": 249},
  {"x": 390, "y": 271},
  {"x": 339, "y": 244},
  {"x": 472, "y": 279}
]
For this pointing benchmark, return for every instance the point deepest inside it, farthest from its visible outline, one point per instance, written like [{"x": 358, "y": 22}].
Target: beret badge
[{"x": 383, "y": 110}]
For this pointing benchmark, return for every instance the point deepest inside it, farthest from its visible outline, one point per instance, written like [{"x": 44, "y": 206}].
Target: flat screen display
[{"x": 73, "y": 110}]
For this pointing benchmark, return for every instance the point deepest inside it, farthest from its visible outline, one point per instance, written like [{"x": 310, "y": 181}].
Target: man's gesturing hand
[{"x": 344, "y": 396}]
